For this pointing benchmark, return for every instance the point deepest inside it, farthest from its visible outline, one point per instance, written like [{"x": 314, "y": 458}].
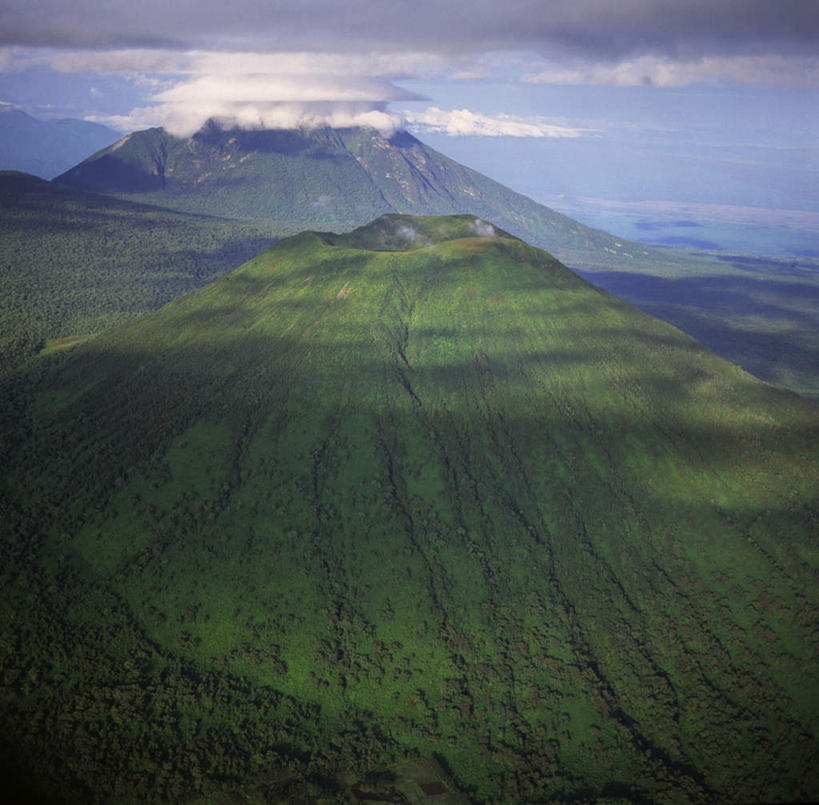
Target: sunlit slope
[
  {"x": 367, "y": 499},
  {"x": 759, "y": 314}
]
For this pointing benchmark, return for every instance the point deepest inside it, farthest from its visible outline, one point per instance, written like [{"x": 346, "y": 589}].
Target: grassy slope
[
  {"x": 759, "y": 314},
  {"x": 73, "y": 263},
  {"x": 344, "y": 508}
]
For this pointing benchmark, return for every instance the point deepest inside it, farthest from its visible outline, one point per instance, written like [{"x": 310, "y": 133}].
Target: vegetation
[
  {"x": 307, "y": 178},
  {"x": 414, "y": 505},
  {"x": 761, "y": 314},
  {"x": 73, "y": 264}
]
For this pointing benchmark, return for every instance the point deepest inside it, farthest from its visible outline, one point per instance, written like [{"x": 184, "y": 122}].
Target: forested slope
[
  {"x": 73, "y": 264},
  {"x": 415, "y": 495}
]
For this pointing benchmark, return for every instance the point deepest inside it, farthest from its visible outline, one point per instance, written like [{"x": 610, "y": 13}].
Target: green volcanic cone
[{"x": 416, "y": 497}]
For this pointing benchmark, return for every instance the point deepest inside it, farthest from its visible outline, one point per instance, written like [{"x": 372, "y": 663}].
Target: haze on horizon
[{"x": 698, "y": 103}]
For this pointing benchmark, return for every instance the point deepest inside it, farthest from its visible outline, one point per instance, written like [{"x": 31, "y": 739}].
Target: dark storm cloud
[
  {"x": 275, "y": 63},
  {"x": 597, "y": 29}
]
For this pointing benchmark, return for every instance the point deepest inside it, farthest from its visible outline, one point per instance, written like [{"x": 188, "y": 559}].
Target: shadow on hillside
[
  {"x": 667, "y": 398},
  {"x": 289, "y": 142},
  {"x": 735, "y": 295},
  {"x": 758, "y": 323},
  {"x": 628, "y": 503},
  {"x": 768, "y": 266}
]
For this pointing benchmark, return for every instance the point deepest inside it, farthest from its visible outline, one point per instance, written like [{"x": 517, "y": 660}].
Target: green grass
[
  {"x": 349, "y": 506},
  {"x": 756, "y": 312}
]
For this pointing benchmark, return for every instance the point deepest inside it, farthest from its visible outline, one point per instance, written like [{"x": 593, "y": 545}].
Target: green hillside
[
  {"x": 414, "y": 505},
  {"x": 73, "y": 264},
  {"x": 318, "y": 178},
  {"x": 761, "y": 314}
]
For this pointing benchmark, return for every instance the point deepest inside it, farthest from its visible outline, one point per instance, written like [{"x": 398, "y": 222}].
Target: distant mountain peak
[
  {"x": 322, "y": 178},
  {"x": 47, "y": 147}
]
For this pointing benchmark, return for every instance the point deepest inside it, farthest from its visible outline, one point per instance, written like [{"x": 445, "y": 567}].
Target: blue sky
[{"x": 581, "y": 102}]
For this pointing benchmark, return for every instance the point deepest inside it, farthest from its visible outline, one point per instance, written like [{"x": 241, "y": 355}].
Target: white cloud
[
  {"x": 250, "y": 88},
  {"x": 428, "y": 38},
  {"x": 185, "y": 108},
  {"x": 664, "y": 72},
  {"x": 469, "y": 75},
  {"x": 124, "y": 61},
  {"x": 256, "y": 90},
  {"x": 483, "y": 229},
  {"x": 143, "y": 117},
  {"x": 185, "y": 119},
  {"x": 183, "y": 89},
  {"x": 462, "y": 122},
  {"x": 411, "y": 234}
]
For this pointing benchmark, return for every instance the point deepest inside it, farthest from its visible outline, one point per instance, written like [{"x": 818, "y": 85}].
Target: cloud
[
  {"x": 286, "y": 90},
  {"x": 182, "y": 114},
  {"x": 183, "y": 120},
  {"x": 658, "y": 71},
  {"x": 321, "y": 62},
  {"x": 193, "y": 62},
  {"x": 483, "y": 229},
  {"x": 242, "y": 88},
  {"x": 253, "y": 89},
  {"x": 596, "y": 29},
  {"x": 462, "y": 122},
  {"x": 411, "y": 235}
]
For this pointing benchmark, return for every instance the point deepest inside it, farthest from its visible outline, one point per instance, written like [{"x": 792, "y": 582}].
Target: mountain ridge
[
  {"x": 74, "y": 263},
  {"x": 306, "y": 178},
  {"x": 46, "y": 148}
]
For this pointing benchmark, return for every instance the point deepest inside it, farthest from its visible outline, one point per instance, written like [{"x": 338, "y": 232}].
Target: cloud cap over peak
[{"x": 323, "y": 62}]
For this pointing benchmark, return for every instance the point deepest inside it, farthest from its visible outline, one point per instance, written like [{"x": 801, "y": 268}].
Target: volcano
[
  {"x": 321, "y": 178},
  {"x": 409, "y": 506}
]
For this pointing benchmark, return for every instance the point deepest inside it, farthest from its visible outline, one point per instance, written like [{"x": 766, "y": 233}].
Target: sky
[{"x": 585, "y": 103}]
